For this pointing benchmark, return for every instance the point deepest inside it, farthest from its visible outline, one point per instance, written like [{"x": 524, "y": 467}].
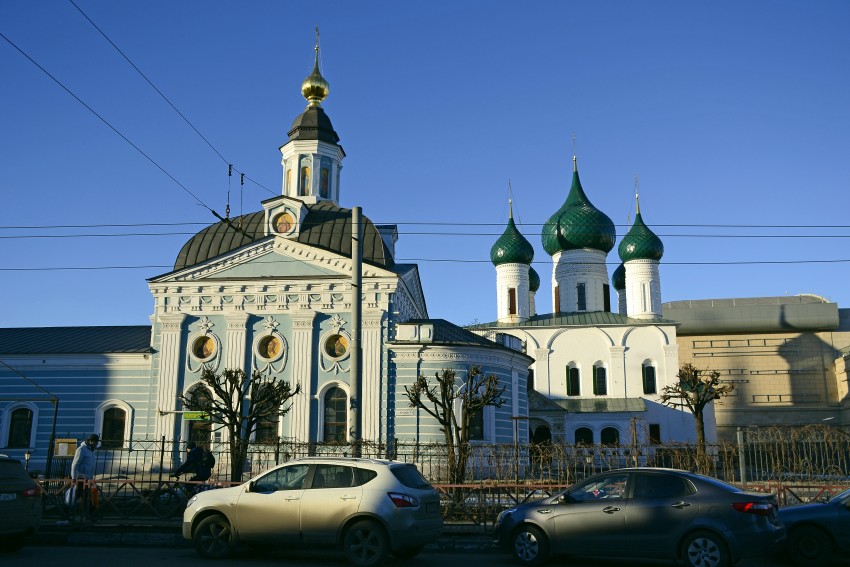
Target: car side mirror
[{"x": 250, "y": 486}]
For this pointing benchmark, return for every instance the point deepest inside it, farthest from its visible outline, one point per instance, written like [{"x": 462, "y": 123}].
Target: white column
[
  {"x": 580, "y": 266},
  {"x": 643, "y": 289},
  {"x": 301, "y": 358},
  {"x": 512, "y": 276},
  {"x": 168, "y": 387}
]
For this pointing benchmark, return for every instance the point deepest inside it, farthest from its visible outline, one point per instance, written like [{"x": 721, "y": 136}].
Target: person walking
[{"x": 82, "y": 473}]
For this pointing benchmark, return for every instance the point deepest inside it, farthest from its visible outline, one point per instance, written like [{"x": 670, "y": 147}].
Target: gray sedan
[
  {"x": 645, "y": 513},
  {"x": 818, "y": 532}
]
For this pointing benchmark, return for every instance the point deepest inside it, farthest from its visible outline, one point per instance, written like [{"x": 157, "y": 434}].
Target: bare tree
[
  {"x": 695, "y": 390},
  {"x": 440, "y": 400},
  {"x": 239, "y": 404}
]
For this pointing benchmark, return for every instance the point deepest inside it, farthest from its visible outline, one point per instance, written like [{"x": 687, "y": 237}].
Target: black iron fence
[{"x": 797, "y": 464}]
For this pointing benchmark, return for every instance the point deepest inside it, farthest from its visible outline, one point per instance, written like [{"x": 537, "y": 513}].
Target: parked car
[
  {"x": 649, "y": 513},
  {"x": 369, "y": 507},
  {"x": 818, "y": 532},
  {"x": 20, "y": 505}
]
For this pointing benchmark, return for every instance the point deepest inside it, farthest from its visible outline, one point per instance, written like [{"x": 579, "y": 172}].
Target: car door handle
[
  {"x": 681, "y": 505},
  {"x": 347, "y": 497},
  {"x": 545, "y": 511},
  {"x": 610, "y": 509},
  {"x": 293, "y": 498}
]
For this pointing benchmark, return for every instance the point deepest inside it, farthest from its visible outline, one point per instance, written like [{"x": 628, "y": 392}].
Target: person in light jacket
[{"x": 82, "y": 471}]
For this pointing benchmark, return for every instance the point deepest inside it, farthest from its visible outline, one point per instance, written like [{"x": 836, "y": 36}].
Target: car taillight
[
  {"x": 403, "y": 500},
  {"x": 757, "y": 508},
  {"x": 31, "y": 492}
]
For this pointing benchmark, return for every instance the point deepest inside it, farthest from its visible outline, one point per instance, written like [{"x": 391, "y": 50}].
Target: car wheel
[
  {"x": 213, "y": 538},
  {"x": 705, "y": 549},
  {"x": 809, "y": 547},
  {"x": 407, "y": 552},
  {"x": 366, "y": 544},
  {"x": 530, "y": 546}
]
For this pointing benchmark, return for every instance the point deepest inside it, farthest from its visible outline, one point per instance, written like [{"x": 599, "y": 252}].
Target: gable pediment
[{"x": 273, "y": 257}]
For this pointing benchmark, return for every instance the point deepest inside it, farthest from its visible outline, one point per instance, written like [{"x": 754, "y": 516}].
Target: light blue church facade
[{"x": 271, "y": 292}]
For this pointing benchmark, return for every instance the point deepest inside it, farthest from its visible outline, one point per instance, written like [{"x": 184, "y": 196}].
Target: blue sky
[{"x": 734, "y": 115}]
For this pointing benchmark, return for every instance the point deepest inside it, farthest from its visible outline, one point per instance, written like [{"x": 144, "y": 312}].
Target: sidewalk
[{"x": 456, "y": 538}]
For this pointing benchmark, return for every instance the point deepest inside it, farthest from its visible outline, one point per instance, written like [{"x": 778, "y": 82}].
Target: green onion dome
[
  {"x": 512, "y": 247},
  {"x": 578, "y": 224},
  {"x": 640, "y": 243},
  {"x": 618, "y": 278},
  {"x": 533, "y": 280}
]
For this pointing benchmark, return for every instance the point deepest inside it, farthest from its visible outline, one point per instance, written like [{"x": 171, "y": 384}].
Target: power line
[
  {"x": 160, "y": 93},
  {"x": 435, "y": 260},
  {"x": 102, "y": 119}
]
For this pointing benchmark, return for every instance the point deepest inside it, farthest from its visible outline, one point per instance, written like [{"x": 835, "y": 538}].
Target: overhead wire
[{"x": 161, "y": 94}]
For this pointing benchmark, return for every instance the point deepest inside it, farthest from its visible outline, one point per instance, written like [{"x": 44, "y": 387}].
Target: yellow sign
[{"x": 195, "y": 415}]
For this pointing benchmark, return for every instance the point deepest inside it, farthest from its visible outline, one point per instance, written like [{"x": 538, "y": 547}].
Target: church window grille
[
  {"x": 113, "y": 428},
  {"x": 573, "y": 381},
  {"x": 649, "y": 386},
  {"x": 600, "y": 383},
  {"x": 335, "y": 415},
  {"x": 20, "y": 428}
]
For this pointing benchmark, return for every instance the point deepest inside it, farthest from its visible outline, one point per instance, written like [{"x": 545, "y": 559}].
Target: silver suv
[{"x": 370, "y": 507}]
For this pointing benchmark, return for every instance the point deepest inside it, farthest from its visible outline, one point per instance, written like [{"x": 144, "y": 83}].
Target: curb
[{"x": 115, "y": 535}]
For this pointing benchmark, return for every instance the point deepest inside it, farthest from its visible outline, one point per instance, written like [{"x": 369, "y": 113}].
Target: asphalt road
[{"x": 83, "y": 556}]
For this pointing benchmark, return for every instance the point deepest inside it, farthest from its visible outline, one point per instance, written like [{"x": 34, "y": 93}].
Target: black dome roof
[
  {"x": 313, "y": 124},
  {"x": 326, "y": 226}
]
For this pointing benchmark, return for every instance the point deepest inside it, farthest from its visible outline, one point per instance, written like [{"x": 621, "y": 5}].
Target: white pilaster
[
  {"x": 542, "y": 379},
  {"x": 236, "y": 342},
  {"x": 372, "y": 386},
  {"x": 168, "y": 387},
  {"x": 302, "y": 352}
]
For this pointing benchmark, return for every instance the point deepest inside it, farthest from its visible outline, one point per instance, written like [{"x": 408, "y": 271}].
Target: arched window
[
  {"x": 573, "y": 380},
  {"x": 335, "y": 423},
  {"x": 267, "y": 425},
  {"x": 512, "y": 301},
  {"x": 304, "y": 182},
  {"x": 649, "y": 386},
  {"x": 20, "y": 428},
  {"x": 200, "y": 430},
  {"x": 113, "y": 421},
  {"x": 610, "y": 436},
  {"x": 18, "y": 424},
  {"x": 584, "y": 436},
  {"x": 581, "y": 297},
  {"x": 112, "y": 436},
  {"x": 600, "y": 380}
]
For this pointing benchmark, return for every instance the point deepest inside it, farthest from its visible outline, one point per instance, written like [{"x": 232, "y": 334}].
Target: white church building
[{"x": 271, "y": 291}]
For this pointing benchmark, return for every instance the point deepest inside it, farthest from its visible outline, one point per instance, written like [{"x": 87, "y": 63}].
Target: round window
[
  {"x": 269, "y": 347},
  {"x": 284, "y": 223},
  {"x": 336, "y": 346},
  {"x": 204, "y": 347}
]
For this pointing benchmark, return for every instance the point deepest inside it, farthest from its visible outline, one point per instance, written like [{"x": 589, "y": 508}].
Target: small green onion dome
[
  {"x": 640, "y": 243},
  {"x": 618, "y": 278},
  {"x": 578, "y": 224},
  {"x": 533, "y": 280},
  {"x": 512, "y": 247}
]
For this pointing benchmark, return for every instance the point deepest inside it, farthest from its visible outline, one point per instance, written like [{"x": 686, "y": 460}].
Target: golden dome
[{"x": 315, "y": 88}]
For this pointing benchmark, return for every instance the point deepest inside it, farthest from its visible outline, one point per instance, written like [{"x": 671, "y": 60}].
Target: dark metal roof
[
  {"x": 326, "y": 226},
  {"x": 539, "y": 403},
  {"x": 592, "y": 318},
  {"x": 75, "y": 340},
  {"x": 450, "y": 334},
  {"x": 313, "y": 124}
]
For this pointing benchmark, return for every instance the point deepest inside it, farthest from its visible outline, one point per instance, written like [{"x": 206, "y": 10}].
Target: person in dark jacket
[{"x": 194, "y": 464}]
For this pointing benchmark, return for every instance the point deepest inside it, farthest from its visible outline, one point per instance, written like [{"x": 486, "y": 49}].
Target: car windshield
[
  {"x": 840, "y": 496},
  {"x": 410, "y": 476}
]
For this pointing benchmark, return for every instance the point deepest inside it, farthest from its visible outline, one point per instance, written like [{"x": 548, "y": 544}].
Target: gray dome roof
[{"x": 313, "y": 124}]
